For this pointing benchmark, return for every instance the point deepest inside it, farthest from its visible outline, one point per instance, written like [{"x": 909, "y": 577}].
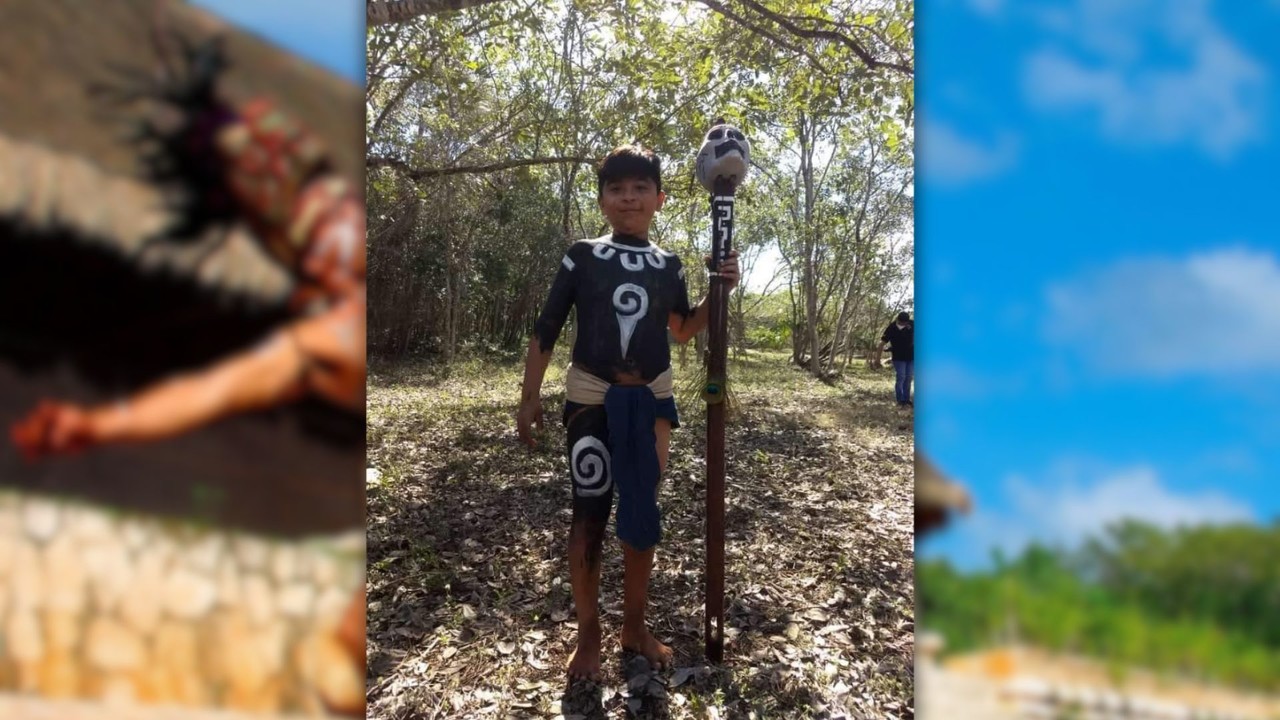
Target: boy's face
[{"x": 629, "y": 204}]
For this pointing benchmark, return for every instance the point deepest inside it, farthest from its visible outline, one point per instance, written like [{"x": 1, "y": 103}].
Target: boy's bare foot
[
  {"x": 584, "y": 663},
  {"x": 643, "y": 642}
]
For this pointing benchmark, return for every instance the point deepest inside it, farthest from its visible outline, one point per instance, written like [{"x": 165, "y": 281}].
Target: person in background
[{"x": 900, "y": 337}]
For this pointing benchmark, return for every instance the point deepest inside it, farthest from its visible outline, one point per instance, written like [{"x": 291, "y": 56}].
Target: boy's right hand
[{"x": 529, "y": 414}]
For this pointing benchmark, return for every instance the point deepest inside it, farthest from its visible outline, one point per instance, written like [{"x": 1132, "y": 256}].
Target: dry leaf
[{"x": 816, "y": 615}]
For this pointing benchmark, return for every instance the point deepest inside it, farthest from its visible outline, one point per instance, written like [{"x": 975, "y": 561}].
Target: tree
[
  {"x": 383, "y": 12},
  {"x": 483, "y": 124}
]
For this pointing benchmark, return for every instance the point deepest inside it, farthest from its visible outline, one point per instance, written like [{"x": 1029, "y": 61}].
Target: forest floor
[{"x": 470, "y": 610}]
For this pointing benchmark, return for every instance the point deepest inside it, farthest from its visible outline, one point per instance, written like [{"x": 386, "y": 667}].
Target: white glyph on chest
[
  {"x": 631, "y": 259},
  {"x": 631, "y": 303},
  {"x": 630, "y": 300}
]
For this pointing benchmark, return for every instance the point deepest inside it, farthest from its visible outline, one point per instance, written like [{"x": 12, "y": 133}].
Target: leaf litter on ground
[{"x": 471, "y": 614}]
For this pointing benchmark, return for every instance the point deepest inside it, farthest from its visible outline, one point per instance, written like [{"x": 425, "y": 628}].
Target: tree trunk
[
  {"x": 875, "y": 356},
  {"x": 570, "y": 174},
  {"x": 448, "y": 315},
  {"x": 810, "y": 279}
]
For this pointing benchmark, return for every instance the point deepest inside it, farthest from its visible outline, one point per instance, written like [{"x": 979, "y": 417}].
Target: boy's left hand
[{"x": 728, "y": 269}]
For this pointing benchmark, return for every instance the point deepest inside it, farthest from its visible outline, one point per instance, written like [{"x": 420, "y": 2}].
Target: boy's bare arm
[
  {"x": 267, "y": 375},
  {"x": 535, "y": 368},
  {"x": 250, "y": 380},
  {"x": 247, "y": 380},
  {"x": 684, "y": 328},
  {"x": 270, "y": 374},
  {"x": 536, "y": 362}
]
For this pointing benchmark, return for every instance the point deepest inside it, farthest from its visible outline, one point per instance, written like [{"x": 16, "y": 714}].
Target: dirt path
[{"x": 470, "y": 613}]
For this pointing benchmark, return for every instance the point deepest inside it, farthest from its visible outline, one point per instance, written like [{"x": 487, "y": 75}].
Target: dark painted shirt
[{"x": 624, "y": 290}]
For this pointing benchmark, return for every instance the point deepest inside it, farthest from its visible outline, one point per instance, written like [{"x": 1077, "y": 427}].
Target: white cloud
[
  {"x": 1076, "y": 511},
  {"x": 1061, "y": 510},
  {"x": 1155, "y": 71},
  {"x": 947, "y": 157},
  {"x": 1210, "y": 314}
]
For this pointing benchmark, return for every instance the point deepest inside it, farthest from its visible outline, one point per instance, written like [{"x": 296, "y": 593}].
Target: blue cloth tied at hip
[{"x": 631, "y": 411}]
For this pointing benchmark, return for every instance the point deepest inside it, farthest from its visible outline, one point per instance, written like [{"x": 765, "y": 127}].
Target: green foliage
[
  {"x": 769, "y": 327},
  {"x": 1199, "y": 601},
  {"x": 458, "y": 257}
]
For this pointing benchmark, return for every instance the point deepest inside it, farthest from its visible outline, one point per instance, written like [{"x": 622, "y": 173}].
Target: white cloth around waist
[{"x": 586, "y": 389}]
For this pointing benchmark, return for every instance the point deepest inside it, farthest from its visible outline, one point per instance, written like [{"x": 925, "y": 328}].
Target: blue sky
[
  {"x": 1098, "y": 269},
  {"x": 330, "y": 33}
]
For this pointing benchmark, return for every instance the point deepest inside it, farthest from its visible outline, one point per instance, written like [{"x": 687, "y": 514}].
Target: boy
[{"x": 620, "y": 409}]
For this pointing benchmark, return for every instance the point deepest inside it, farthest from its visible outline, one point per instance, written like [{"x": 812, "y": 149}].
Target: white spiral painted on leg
[
  {"x": 589, "y": 462},
  {"x": 631, "y": 302}
]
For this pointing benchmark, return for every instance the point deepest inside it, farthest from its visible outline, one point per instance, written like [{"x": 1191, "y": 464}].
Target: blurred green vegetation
[{"x": 1200, "y": 603}]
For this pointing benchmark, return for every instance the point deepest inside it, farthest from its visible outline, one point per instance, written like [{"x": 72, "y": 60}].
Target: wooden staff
[{"x": 714, "y": 393}]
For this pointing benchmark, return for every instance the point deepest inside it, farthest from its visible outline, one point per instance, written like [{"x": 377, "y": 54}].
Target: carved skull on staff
[{"x": 725, "y": 153}]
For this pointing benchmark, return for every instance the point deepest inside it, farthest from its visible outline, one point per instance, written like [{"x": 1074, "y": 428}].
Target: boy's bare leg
[
  {"x": 637, "y": 567},
  {"x": 586, "y": 538}
]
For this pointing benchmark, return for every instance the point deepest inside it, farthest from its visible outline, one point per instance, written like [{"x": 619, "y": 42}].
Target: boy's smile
[{"x": 629, "y": 205}]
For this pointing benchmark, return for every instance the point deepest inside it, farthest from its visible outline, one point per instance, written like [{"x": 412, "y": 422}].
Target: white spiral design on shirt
[
  {"x": 589, "y": 462},
  {"x": 602, "y": 251},
  {"x": 656, "y": 260},
  {"x": 631, "y": 302}
]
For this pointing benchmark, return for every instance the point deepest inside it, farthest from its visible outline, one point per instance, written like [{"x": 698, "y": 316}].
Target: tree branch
[
  {"x": 386, "y": 12},
  {"x": 794, "y": 29},
  {"x": 379, "y": 161},
  {"x": 718, "y": 7}
]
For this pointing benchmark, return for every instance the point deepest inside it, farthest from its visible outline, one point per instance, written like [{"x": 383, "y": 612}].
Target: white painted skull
[{"x": 726, "y": 153}]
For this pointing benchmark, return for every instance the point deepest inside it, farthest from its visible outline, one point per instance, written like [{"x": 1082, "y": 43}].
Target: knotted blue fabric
[{"x": 631, "y": 411}]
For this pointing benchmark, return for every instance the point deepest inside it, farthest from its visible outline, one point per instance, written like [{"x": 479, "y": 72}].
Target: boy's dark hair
[
  {"x": 904, "y": 316},
  {"x": 629, "y": 161}
]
